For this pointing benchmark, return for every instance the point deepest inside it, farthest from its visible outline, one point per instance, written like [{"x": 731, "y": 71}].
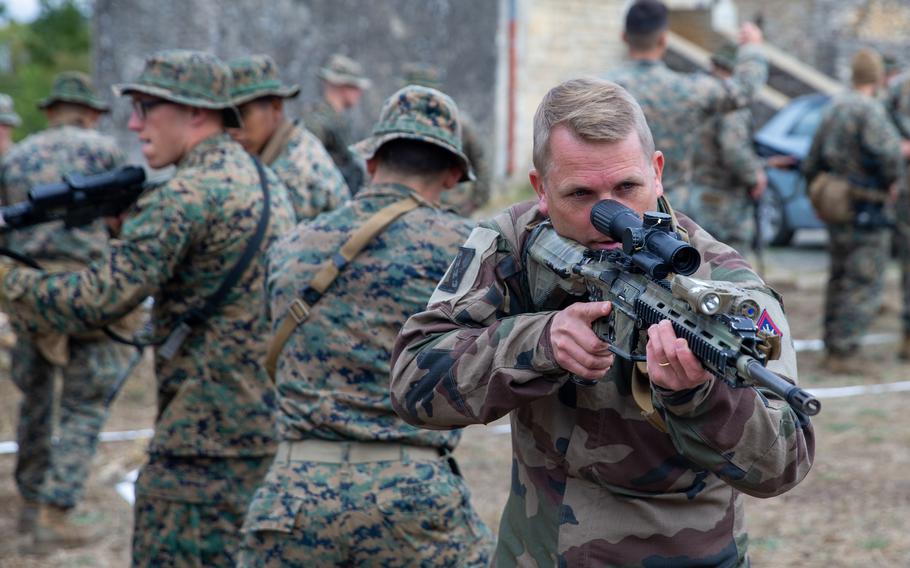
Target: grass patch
[{"x": 876, "y": 543}]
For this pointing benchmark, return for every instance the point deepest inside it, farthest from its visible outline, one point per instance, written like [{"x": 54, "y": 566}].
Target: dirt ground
[{"x": 853, "y": 510}]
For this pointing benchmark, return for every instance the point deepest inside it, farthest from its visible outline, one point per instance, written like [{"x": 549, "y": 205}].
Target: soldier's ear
[{"x": 536, "y": 179}]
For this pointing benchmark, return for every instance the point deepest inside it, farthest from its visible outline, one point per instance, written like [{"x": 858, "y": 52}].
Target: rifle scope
[{"x": 651, "y": 243}]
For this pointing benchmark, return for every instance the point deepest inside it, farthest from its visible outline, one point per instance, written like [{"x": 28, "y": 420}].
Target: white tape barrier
[
  {"x": 819, "y": 345},
  {"x": 11, "y": 447}
]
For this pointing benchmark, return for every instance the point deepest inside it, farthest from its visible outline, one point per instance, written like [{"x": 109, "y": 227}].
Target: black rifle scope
[{"x": 651, "y": 243}]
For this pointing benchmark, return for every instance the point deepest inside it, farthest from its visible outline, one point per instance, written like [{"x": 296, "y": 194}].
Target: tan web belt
[
  {"x": 324, "y": 451},
  {"x": 299, "y": 309}
]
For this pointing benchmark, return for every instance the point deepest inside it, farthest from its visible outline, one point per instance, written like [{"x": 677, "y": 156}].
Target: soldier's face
[
  {"x": 162, "y": 128},
  {"x": 6, "y": 138},
  {"x": 261, "y": 118},
  {"x": 582, "y": 173}
]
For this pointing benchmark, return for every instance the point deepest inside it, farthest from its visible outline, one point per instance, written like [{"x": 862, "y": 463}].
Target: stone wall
[{"x": 461, "y": 37}]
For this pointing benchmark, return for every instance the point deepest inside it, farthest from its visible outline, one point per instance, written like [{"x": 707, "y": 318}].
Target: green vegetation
[{"x": 31, "y": 54}]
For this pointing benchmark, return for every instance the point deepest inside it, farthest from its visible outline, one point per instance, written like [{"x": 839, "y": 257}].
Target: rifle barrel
[{"x": 796, "y": 397}]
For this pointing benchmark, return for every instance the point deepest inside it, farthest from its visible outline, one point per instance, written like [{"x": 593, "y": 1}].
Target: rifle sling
[
  {"x": 299, "y": 310},
  {"x": 641, "y": 394},
  {"x": 277, "y": 142}
]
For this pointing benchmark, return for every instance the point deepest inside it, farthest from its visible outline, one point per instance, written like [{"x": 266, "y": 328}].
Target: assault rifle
[
  {"x": 717, "y": 319},
  {"x": 77, "y": 200}
]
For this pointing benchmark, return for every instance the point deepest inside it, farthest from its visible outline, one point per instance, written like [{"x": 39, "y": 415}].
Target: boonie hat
[
  {"x": 192, "y": 78},
  {"x": 342, "y": 70},
  {"x": 74, "y": 87},
  {"x": 257, "y": 76},
  {"x": 418, "y": 113}
]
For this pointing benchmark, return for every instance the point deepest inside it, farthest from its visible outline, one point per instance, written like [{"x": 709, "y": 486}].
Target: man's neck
[
  {"x": 431, "y": 190},
  {"x": 655, "y": 54},
  {"x": 202, "y": 133},
  {"x": 867, "y": 90},
  {"x": 335, "y": 100}
]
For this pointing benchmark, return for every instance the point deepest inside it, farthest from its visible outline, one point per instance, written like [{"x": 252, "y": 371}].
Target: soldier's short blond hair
[{"x": 595, "y": 110}]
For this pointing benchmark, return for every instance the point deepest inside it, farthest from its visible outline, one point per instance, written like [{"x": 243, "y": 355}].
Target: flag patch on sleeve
[{"x": 766, "y": 325}]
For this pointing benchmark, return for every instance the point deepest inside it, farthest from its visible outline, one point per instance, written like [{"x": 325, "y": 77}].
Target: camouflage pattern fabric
[
  {"x": 724, "y": 169},
  {"x": 467, "y": 197},
  {"x": 188, "y": 510},
  {"x": 897, "y": 104},
  {"x": 333, "y": 384},
  {"x": 390, "y": 514},
  {"x": 857, "y": 141},
  {"x": 855, "y": 286},
  {"x": 215, "y": 400},
  {"x": 593, "y": 483},
  {"x": 677, "y": 104},
  {"x": 314, "y": 183},
  {"x": 47, "y": 472},
  {"x": 54, "y": 471},
  {"x": 74, "y": 87},
  {"x": 334, "y": 131}
]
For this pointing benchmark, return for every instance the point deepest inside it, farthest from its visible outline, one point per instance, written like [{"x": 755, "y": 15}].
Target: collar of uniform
[
  {"x": 649, "y": 63},
  {"x": 197, "y": 153},
  {"x": 393, "y": 190}
]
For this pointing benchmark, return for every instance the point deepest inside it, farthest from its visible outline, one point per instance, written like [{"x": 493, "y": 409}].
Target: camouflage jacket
[
  {"x": 178, "y": 242},
  {"x": 469, "y": 196},
  {"x": 725, "y": 159},
  {"x": 333, "y": 374},
  {"x": 593, "y": 483},
  {"x": 334, "y": 131},
  {"x": 314, "y": 183},
  {"x": 857, "y": 141},
  {"x": 677, "y": 104},
  {"x": 46, "y": 157},
  {"x": 896, "y": 98}
]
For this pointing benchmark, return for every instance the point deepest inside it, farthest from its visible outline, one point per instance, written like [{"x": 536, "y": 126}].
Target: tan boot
[
  {"x": 58, "y": 528},
  {"x": 844, "y": 364},
  {"x": 904, "y": 352}
]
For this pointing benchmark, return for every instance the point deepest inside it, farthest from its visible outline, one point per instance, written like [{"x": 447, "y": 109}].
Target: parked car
[{"x": 785, "y": 206}]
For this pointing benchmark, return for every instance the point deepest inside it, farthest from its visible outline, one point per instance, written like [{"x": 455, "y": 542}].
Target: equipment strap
[
  {"x": 277, "y": 143},
  {"x": 299, "y": 310}
]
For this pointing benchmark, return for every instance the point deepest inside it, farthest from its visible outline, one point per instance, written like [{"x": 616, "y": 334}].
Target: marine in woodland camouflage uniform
[
  {"x": 343, "y": 84},
  {"x": 9, "y": 121},
  {"x": 593, "y": 482},
  {"x": 727, "y": 175},
  {"x": 467, "y": 197},
  {"x": 856, "y": 141},
  {"x": 314, "y": 183},
  {"x": 214, "y": 433},
  {"x": 896, "y": 98},
  {"x": 51, "y": 475},
  {"x": 353, "y": 484},
  {"x": 677, "y": 104}
]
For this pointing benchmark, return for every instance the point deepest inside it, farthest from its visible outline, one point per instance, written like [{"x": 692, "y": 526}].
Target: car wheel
[{"x": 774, "y": 228}]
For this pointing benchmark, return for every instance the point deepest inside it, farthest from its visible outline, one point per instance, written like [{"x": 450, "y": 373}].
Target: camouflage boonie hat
[
  {"x": 257, "y": 76},
  {"x": 725, "y": 57},
  {"x": 74, "y": 87},
  {"x": 192, "y": 78},
  {"x": 342, "y": 70},
  {"x": 421, "y": 74},
  {"x": 8, "y": 114},
  {"x": 418, "y": 113}
]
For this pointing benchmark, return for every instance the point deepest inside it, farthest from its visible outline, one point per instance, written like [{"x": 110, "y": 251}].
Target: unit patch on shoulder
[
  {"x": 456, "y": 272},
  {"x": 767, "y": 326}
]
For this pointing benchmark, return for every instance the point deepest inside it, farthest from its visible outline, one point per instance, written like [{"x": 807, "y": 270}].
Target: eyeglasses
[{"x": 142, "y": 107}]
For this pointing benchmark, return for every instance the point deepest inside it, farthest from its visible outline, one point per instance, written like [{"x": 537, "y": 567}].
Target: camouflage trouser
[
  {"x": 389, "y": 514},
  {"x": 189, "y": 511},
  {"x": 726, "y": 215},
  {"x": 51, "y": 471},
  {"x": 902, "y": 244},
  {"x": 855, "y": 286}
]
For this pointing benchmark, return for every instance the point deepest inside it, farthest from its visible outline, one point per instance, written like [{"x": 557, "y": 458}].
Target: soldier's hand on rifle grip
[
  {"x": 671, "y": 364},
  {"x": 576, "y": 347}
]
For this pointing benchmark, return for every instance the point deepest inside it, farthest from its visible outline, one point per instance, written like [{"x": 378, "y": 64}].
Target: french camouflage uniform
[
  {"x": 214, "y": 433},
  {"x": 333, "y": 128},
  {"x": 51, "y": 472},
  {"x": 353, "y": 484},
  {"x": 295, "y": 155},
  {"x": 724, "y": 169},
  {"x": 677, "y": 104},
  {"x": 897, "y": 105},
  {"x": 856, "y": 141},
  {"x": 593, "y": 482}
]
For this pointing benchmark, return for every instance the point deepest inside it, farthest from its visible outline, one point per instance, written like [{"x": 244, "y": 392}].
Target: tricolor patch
[{"x": 766, "y": 325}]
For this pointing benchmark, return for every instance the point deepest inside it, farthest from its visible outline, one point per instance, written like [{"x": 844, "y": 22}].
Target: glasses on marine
[{"x": 142, "y": 107}]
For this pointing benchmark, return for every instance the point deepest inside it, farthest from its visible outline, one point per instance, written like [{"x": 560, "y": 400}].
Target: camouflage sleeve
[
  {"x": 736, "y": 152},
  {"x": 153, "y": 240},
  {"x": 748, "y": 437},
  {"x": 898, "y": 106},
  {"x": 461, "y": 361},
  {"x": 813, "y": 163},
  {"x": 881, "y": 144},
  {"x": 749, "y": 75}
]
